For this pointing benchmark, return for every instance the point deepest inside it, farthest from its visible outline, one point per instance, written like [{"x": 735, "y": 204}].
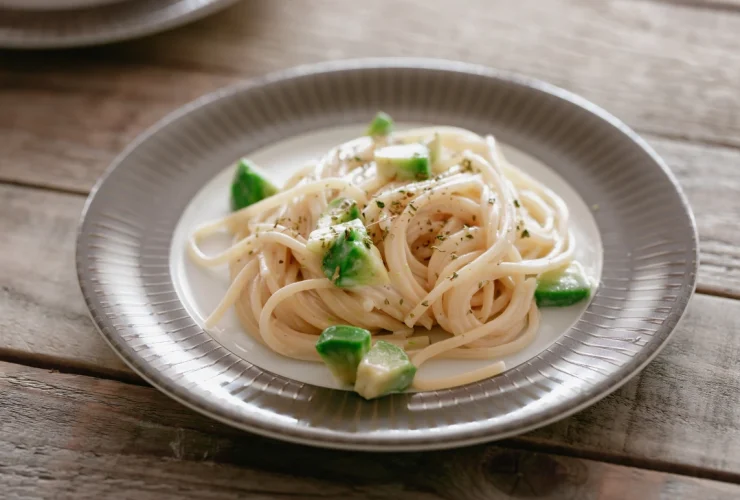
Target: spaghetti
[{"x": 462, "y": 250}]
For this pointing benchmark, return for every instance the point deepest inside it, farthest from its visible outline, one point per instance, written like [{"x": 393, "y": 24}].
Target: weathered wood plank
[
  {"x": 62, "y": 125},
  {"x": 42, "y": 315},
  {"x": 663, "y": 68},
  {"x": 70, "y": 436},
  {"x": 710, "y": 177},
  {"x": 679, "y": 410},
  {"x": 100, "y": 103}
]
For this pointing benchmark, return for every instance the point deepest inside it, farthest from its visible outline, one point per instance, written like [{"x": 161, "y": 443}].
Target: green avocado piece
[
  {"x": 349, "y": 256},
  {"x": 385, "y": 369},
  {"x": 338, "y": 211},
  {"x": 403, "y": 162},
  {"x": 342, "y": 347},
  {"x": 562, "y": 287},
  {"x": 248, "y": 186},
  {"x": 381, "y": 125}
]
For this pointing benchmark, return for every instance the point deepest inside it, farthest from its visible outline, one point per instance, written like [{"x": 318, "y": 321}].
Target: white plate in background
[
  {"x": 49, "y": 5},
  {"x": 56, "y": 24}
]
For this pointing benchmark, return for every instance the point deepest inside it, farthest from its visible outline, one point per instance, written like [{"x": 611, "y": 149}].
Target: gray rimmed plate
[
  {"x": 130, "y": 272},
  {"x": 101, "y": 23}
]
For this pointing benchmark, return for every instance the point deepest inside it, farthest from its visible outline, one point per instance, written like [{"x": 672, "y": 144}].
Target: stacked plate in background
[{"x": 45, "y": 24}]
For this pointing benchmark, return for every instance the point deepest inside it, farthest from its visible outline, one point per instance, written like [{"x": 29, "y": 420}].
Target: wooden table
[{"x": 76, "y": 423}]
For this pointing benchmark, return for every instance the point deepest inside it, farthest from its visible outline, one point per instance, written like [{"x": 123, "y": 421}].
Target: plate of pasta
[{"x": 388, "y": 254}]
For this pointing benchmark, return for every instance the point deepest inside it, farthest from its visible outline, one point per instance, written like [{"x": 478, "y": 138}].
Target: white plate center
[{"x": 201, "y": 289}]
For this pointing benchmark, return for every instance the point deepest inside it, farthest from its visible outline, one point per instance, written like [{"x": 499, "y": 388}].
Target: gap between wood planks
[
  {"x": 721, "y": 5},
  {"x": 56, "y": 364},
  {"x": 44, "y": 187},
  {"x": 535, "y": 444}
]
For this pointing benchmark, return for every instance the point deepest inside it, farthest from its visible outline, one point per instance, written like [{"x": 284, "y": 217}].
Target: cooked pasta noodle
[{"x": 463, "y": 250}]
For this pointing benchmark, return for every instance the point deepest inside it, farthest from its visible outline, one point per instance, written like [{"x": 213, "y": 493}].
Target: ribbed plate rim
[{"x": 483, "y": 433}]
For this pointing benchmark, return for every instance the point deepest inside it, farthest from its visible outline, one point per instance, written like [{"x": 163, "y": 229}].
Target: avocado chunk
[
  {"x": 385, "y": 369},
  {"x": 562, "y": 287},
  {"x": 248, "y": 186},
  {"x": 322, "y": 238},
  {"x": 403, "y": 161},
  {"x": 342, "y": 347},
  {"x": 381, "y": 125},
  {"x": 349, "y": 257},
  {"x": 338, "y": 211}
]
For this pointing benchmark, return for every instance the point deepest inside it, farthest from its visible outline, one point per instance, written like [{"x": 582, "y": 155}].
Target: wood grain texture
[
  {"x": 623, "y": 54},
  {"x": 670, "y": 71},
  {"x": 66, "y": 119},
  {"x": 679, "y": 411},
  {"x": 43, "y": 318},
  {"x": 710, "y": 177},
  {"x": 70, "y": 436},
  {"x": 663, "y": 68}
]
